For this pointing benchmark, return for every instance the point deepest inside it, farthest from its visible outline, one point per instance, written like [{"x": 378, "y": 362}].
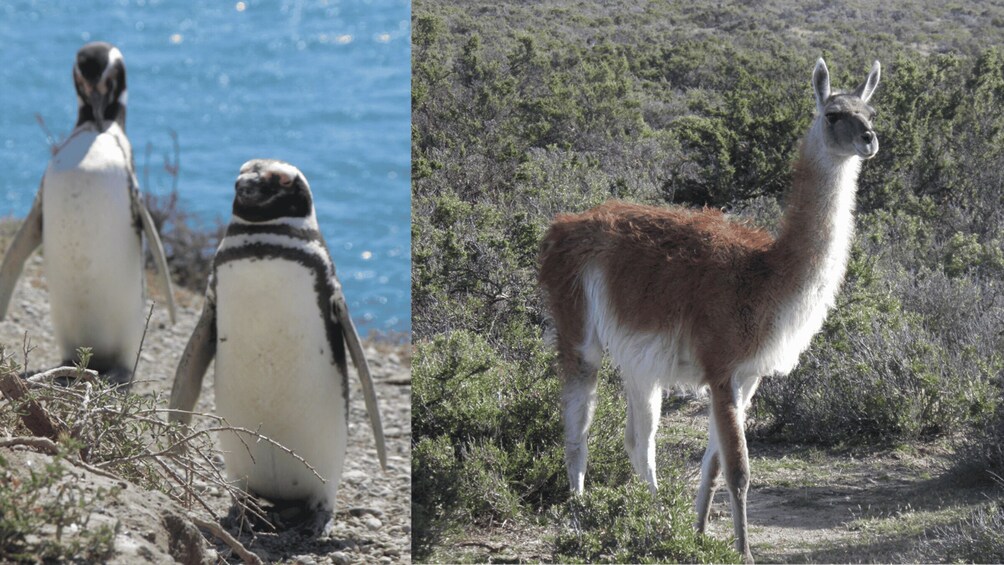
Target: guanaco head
[{"x": 846, "y": 118}]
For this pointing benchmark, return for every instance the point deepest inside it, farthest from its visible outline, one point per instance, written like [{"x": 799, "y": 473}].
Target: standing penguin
[
  {"x": 88, "y": 213},
  {"x": 276, "y": 320}
]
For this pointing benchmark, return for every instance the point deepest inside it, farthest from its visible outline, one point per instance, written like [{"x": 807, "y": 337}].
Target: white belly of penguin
[
  {"x": 275, "y": 373},
  {"x": 92, "y": 253}
]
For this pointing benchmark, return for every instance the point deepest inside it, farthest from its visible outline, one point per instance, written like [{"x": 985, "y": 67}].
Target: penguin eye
[{"x": 284, "y": 180}]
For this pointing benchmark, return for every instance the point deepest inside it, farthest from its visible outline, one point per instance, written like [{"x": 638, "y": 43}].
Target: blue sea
[{"x": 322, "y": 84}]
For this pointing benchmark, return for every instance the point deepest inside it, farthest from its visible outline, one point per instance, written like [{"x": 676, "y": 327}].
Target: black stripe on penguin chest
[{"x": 319, "y": 268}]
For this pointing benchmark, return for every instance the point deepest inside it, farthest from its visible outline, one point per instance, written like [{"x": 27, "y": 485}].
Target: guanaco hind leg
[
  {"x": 710, "y": 468},
  {"x": 578, "y": 398}
]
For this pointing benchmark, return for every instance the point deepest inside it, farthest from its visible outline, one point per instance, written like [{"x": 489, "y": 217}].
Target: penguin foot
[
  {"x": 120, "y": 376},
  {"x": 322, "y": 524},
  {"x": 239, "y": 520}
]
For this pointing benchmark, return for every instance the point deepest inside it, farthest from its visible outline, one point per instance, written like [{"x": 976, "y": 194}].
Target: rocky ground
[{"x": 373, "y": 508}]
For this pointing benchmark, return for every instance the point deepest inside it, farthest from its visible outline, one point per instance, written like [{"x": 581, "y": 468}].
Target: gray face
[
  {"x": 847, "y": 125},
  {"x": 846, "y": 118}
]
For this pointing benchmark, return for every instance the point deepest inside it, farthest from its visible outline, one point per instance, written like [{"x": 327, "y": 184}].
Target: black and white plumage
[
  {"x": 277, "y": 323},
  {"x": 90, "y": 217}
]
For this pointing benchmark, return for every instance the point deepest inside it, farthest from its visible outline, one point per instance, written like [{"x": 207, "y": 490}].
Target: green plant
[
  {"x": 627, "y": 524},
  {"x": 490, "y": 429},
  {"x": 46, "y": 498},
  {"x": 977, "y": 539}
]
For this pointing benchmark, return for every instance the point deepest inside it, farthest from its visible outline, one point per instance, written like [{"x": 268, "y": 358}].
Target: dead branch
[
  {"x": 42, "y": 444},
  {"x": 173, "y": 448},
  {"x": 146, "y": 326},
  {"x": 85, "y": 375},
  {"x": 222, "y": 534},
  {"x": 35, "y": 417},
  {"x": 178, "y": 480}
]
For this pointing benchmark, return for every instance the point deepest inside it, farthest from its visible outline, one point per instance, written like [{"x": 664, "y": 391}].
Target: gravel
[{"x": 373, "y": 510}]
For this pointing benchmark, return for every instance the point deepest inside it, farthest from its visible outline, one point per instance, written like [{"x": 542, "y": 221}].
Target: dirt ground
[
  {"x": 806, "y": 505},
  {"x": 373, "y": 510}
]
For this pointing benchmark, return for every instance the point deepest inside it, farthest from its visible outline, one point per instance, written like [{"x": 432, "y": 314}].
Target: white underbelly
[
  {"x": 92, "y": 253},
  {"x": 275, "y": 373}
]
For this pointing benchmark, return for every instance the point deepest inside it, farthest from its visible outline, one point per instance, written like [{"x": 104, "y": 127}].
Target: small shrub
[
  {"x": 47, "y": 498},
  {"x": 982, "y": 449},
  {"x": 626, "y": 524},
  {"x": 434, "y": 479},
  {"x": 189, "y": 245},
  {"x": 105, "y": 430},
  {"x": 977, "y": 539},
  {"x": 489, "y": 432}
]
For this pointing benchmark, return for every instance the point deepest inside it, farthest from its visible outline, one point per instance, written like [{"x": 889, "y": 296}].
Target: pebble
[
  {"x": 339, "y": 558},
  {"x": 353, "y": 476},
  {"x": 372, "y": 522}
]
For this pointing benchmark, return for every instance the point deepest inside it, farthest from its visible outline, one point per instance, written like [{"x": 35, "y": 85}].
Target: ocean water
[{"x": 322, "y": 84}]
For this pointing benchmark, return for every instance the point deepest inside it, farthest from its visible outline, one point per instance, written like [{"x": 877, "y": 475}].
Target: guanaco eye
[{"x": 832, "y": 118}]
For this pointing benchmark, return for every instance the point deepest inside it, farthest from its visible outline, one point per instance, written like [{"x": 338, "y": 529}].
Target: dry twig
[
  {"x": 35, "y": 417},
  {"x": 222, "y": 534},
  {"x": 42, "y": 444},
  {"x": 86, "y": 375}
]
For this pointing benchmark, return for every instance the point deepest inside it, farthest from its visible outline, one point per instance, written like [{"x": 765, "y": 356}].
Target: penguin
[
  {"x": 277, "y": 323},
  {"x": 89, "y": 217}
]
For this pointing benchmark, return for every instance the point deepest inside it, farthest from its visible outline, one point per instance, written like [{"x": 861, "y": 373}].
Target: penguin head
[
  {"x": 100, "y": 79},
  {"x": 267, "y": 189}
]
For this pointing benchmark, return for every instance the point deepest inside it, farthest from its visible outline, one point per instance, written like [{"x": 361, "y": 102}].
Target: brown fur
[
  {"x": 662, "y": 266},
  {"x": 721, "y": 279}
]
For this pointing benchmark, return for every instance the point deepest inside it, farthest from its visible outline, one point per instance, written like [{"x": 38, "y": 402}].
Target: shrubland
[{"x": 521, "y": 112}]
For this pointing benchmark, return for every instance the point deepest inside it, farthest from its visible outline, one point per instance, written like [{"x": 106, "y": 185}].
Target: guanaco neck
[{"x": 810, "y": 254}]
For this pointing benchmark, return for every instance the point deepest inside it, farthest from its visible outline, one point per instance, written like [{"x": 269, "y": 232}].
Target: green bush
[
  {"x": 46, "y": 497},
  {"x": 880, "y": 371},
  {"x": 490, "y": 432},
  {"x": 626, "y": 524},
  {"x": 977, "y": 539},
  {"x": 981, "y": 449}
]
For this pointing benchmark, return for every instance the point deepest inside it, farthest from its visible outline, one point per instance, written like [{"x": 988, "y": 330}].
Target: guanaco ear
[
  {"x": 867, "y": 88},
  {"x": 821, "y": 83}
]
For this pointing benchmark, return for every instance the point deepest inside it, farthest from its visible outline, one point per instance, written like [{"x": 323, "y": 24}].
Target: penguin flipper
[
  {"x": 27, "y": 239},
  {"x": 195, "y": 360},
  {"x": 157, "y": 249},
  {"x": 340, "y": 311}
]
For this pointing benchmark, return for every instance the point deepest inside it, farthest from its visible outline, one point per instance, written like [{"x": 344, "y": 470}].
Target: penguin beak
[{"x": 99, "y": 102}]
